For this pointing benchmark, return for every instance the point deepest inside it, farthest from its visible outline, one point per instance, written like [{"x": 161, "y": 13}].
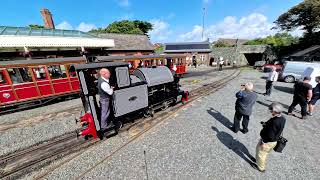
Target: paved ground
[
  {"x": 198, "y": 144},
  {"x": 22, "y": 129}
]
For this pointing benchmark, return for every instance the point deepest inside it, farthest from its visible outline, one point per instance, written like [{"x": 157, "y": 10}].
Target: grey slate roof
[
  {"x": 187, "y": 47},
  {"x": 127, "y": 42}
]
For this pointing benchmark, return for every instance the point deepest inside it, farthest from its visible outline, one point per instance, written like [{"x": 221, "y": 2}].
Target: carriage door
[
  {"x": 6, "y": 91},
  {"x": 22, "y": 83},
  {"x": 42, "y": 81},
  {"x": 59, "y": 79}
]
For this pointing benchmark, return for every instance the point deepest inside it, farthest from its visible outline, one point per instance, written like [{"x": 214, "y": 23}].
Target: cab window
[
  {"x": 2, "y": 78},
  {"x": 57, "y": 71},
  {"x": 40, "y": 73},
  {"x": 19, "y": 75}
]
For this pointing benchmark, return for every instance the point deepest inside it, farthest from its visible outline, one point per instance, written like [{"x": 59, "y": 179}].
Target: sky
[{"x": 173, "y": 20}]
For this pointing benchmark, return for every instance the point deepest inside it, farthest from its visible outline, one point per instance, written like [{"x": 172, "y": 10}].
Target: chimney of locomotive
[{"x": 47, "y": 18}]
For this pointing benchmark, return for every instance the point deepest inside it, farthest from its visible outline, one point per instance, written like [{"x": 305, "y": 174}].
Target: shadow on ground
[
  {"x": 235, "y": 145},
  {"x": 284, "y": 105},
  {"x": 288, "y": 90},
  {"x": 220, "y": 117}
]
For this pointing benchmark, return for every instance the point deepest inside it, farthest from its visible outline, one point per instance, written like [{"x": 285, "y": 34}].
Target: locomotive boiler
[{"x": 144, "y": 91}]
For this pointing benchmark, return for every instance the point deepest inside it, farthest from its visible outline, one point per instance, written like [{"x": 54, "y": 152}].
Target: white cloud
[
  {"x": 160, "y": 32},
  {"x": 86, "y": 27},
  {"x": 64, "y": 25},
  {"x": 123, "y": 3},
  {"x": 194, "y": 35},
  {"x": 252, "y": 26}
]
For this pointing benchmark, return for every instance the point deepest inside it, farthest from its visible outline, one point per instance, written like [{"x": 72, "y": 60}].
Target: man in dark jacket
[
  {"x": 302, "y": 95},
  {"x": 245, "y": 101},
  {"x": 270, "y": 133}
]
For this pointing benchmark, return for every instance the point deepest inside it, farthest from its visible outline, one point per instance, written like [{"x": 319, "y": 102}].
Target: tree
[
  {"x": 305, "y": 15},
  {"x": 35, "y": 26},
  {"x": 159, "y": 49},
  {"x": 279, "y": 39},
  {"x": 126, "y": 27},
  {"x": 220, "y": 44}
]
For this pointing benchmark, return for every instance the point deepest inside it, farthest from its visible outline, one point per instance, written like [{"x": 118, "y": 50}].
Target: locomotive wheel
[
  {"x": 148, "y": 113},
  {"x": 165, "y": 105}
]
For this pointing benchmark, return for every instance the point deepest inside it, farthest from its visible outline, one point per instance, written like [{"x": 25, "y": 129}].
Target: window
[
  {"x": 19, "y": 75},
  {"x": 2, "y": 78},
  {"x": 57, "y": 71},
  {"x": 72, "y": 71},
  {"x": 40, "y": 73}
]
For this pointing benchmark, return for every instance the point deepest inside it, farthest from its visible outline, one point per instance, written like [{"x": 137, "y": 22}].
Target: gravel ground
[
  {"x": 25, "y": 128},
  {"x": 197, "y": 143}
]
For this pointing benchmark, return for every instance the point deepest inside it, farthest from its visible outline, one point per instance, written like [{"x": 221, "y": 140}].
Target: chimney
[{"x": 47, "y": 18}]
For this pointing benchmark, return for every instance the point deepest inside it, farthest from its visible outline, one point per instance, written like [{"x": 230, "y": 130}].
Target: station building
[
  {"x": 30, "y": 43},
  {"x": 193, "y": 50}
]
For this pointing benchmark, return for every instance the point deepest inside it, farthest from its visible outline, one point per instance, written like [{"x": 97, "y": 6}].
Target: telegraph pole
[{"x": 204, "y": 11}]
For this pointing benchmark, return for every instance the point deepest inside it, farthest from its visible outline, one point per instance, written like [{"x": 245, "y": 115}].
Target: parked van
[
  {"x": 313, "y": 73},
  {"x": 293, "y": 70}
]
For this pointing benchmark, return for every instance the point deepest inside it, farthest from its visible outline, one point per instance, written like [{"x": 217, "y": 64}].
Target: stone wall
[{"x": 238, "y": 54}]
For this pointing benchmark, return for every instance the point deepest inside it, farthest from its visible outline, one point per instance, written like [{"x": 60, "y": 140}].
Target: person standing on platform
[
  {"x": 220, "y": 63},
  {"x": 273, "y": 76},
  {"x": 270, "y": 133},
  {"x": 105, "y": 93},
  {"x": 302, "y": 95},
  {"x": 315, "y": 96},
  {"x": 246, "y": 98}
]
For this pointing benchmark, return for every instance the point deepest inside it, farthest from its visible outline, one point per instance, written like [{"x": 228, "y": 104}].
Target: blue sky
[{"x": 174, "y": 20}]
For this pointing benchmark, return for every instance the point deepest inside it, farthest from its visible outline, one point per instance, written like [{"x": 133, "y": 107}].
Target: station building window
[
  {"x": 2, "y": 78},
  {"x": 57, "y": 71},
  {"x": 19, "y": 75}
]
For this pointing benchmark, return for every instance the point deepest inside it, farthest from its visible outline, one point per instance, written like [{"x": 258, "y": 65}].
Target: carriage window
[
  {"x": 40, "y": 73},
  {"x": 72, "y": 71},
  {"x": 57, "y": 71},
  {"x": 19, "y": 75},
  {"x": 2, "y": 78}
]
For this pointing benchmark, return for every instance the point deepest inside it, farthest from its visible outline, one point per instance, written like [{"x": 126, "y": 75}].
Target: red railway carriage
[
  {"x": 22, "y": 81},
  {"x": 176, "y": 62}
]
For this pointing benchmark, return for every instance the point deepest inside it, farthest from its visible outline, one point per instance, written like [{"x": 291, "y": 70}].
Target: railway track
[{"x": 23, "y": 162}]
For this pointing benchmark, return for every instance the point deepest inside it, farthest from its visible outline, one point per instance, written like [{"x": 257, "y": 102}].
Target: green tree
[
  {"x": 220, "y": 44},
  {"x": 279, "y": 39},
  {"x": 35, "y": 26},
  {"x": 305, "y": 15},
  {"x": 126, "y": 27},
  {"x": 159, "y": 49}
]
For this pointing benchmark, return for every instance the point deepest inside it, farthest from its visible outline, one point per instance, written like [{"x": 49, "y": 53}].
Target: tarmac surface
[{"x": 197, "y": 143}]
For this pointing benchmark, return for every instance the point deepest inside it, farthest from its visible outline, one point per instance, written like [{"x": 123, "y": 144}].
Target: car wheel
[{"x": 289, "y": 79}]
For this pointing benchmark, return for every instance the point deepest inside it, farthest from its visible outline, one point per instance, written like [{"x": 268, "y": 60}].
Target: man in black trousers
[
  {"x": 245, "y": 101},
  {"x": 302, "y": 95}
]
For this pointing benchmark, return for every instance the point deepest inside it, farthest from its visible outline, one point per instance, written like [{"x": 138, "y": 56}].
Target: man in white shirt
[
  {"x": 273, "y": 76},
  {"x": 105, "y": 92}
]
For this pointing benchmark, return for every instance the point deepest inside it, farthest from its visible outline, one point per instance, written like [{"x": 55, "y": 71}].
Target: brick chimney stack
[{"x": 47, "y": 18}]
